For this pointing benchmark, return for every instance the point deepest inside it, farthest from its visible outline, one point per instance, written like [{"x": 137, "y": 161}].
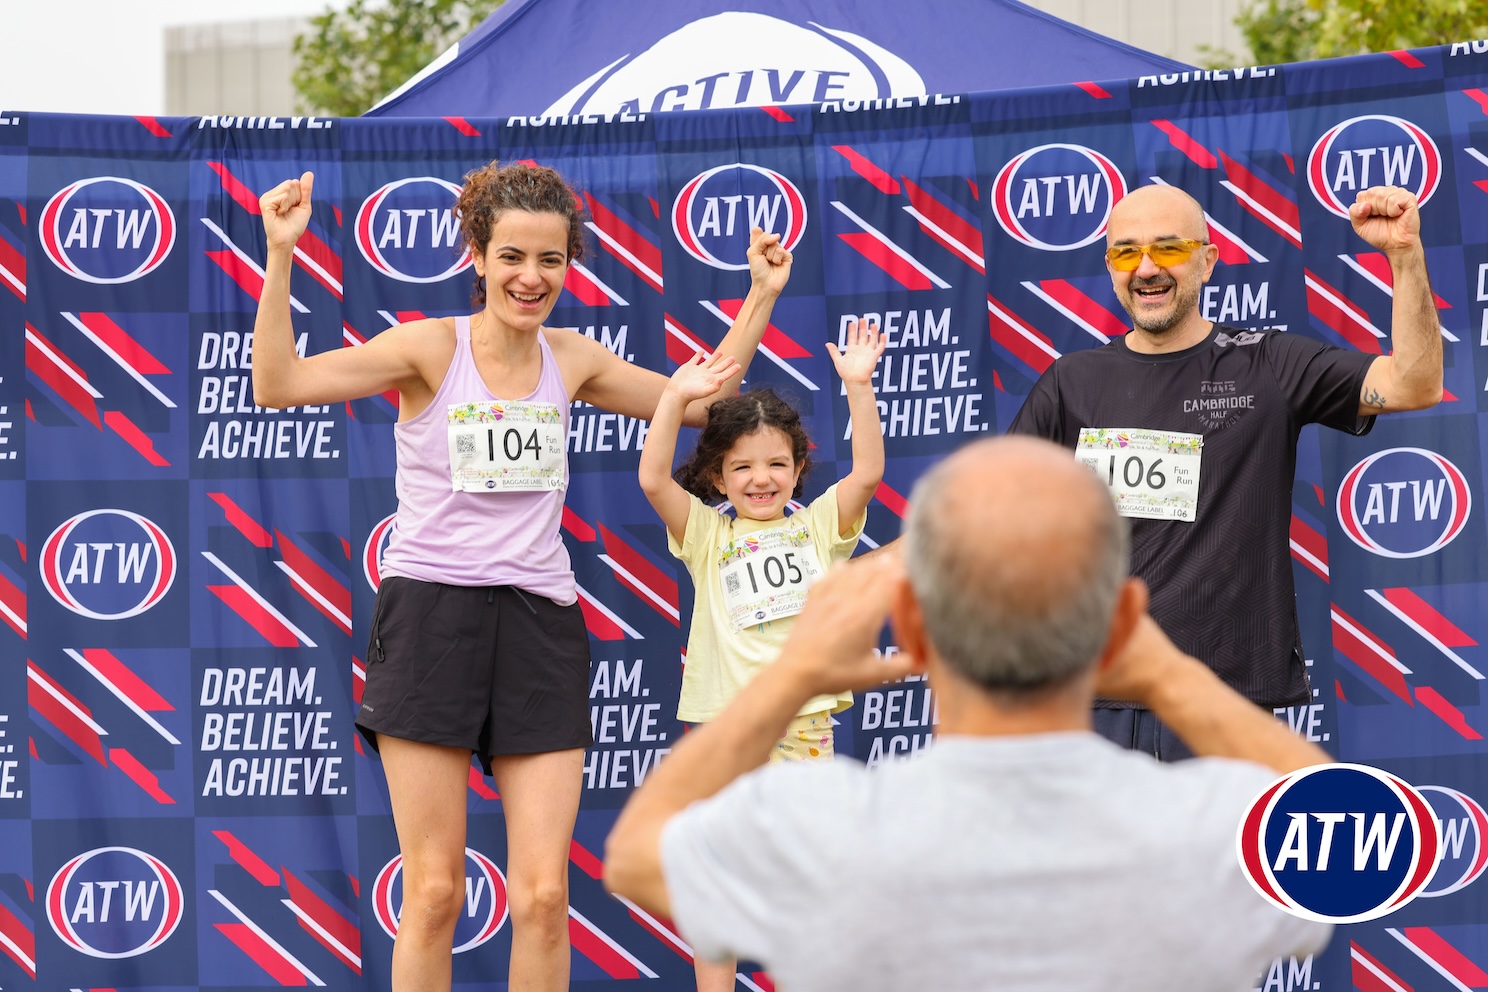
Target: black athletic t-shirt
[{"x": 1221, "y": 584}]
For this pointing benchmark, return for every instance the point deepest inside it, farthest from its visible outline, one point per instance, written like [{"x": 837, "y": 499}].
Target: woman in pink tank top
[{"x": 477, "y": 645}]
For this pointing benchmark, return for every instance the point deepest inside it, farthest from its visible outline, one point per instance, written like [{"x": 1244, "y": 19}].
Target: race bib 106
[
  {"x": 505, "y": 446},
  {"x": 766, "y": 575},
  {"x": 1151, "y": 474}
]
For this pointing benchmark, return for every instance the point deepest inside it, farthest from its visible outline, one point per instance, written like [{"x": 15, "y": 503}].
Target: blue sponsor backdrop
[{"x": 186, "y": 579}]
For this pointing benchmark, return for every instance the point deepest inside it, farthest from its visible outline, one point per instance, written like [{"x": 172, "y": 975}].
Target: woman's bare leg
[
  {"x": 540, "y": 797},
  {"x": 427, "y": 785}
]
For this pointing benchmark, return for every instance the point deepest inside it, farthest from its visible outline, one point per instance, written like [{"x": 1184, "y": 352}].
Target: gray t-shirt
[{"x": 1056, "y": 862}]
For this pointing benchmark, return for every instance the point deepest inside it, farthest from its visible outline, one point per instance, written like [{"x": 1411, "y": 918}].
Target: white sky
[{"x": 106, "y": 56}]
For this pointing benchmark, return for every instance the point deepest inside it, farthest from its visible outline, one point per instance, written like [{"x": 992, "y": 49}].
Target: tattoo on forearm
[{"x": 1373, "y": 398}]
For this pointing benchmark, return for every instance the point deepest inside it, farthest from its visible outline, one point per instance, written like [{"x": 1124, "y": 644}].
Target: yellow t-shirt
[{"x": 720, "y": 659}]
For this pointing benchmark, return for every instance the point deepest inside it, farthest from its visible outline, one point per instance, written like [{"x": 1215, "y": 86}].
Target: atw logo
[
  {"x": 1372, "y": 150},
  {"x": 107, "y": 230},
  {"x": 114, "y": 902},
  {"x": 715, "y": 210},
  {"x": 1404, "y": 502},
  {"x": 407, "y": 230},
  {"x": 1057, "y": 197},
  {"x": 485, "y": 900},
  {"x": 108, "y": 564}
]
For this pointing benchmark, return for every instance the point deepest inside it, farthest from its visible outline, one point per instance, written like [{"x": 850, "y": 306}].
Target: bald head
[
  {"x": 1159, "y": 205},
  {"x": 1016, "y": 555}
]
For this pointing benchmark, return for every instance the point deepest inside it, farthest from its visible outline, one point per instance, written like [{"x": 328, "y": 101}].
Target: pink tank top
[{"x": 476, "y": 538}]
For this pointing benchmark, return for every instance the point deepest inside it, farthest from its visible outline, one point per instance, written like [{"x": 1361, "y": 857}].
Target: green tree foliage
[
  {"x": 353, "y": 57},
  {"x": 1298, "y": 30}
]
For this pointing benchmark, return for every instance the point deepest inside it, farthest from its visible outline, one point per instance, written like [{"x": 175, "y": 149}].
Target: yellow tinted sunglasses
[{"x": 1168, "y": 251}]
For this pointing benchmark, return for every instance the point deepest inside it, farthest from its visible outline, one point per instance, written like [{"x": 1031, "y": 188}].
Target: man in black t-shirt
[{"x": 1194, "y": 428}]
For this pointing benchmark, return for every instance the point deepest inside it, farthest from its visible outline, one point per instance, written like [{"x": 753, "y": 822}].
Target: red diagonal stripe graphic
[
  {"x": 1352, "y": 645},
  {"x": 774, "y": 338},
  {"x": 123, "y": 678},
  {"x": 1337, "y": 318},
  {"x": 1020, "y": 339},
  {"x": 1448, "y": 956},
  {"x": 262, "y": 953},
  {"x": 1427, "y": 616},
  {"x": 44, "y": 363},
  {"x": 241, "y": 194},
  {"x": 13, "y": 262},
  {"x": 879, "y": 254},
  {"x": 1449, "y": 714},
  {"x": 1366, "y": 973},
  {"x": 60, "y": 716},
  {"x": 339, "y": 927},
  {"x": 633, "y": 241},
  {"x": 17, "y": 933},
  {"x": 1314, "y": 543},
  {"x": 587, "y": 291},
  {"x": 575, "y": 525},
  {"x": 1408, "y": 60},
  {"x": 1230, "y": 253},
  {"x": 477, "y": 783},
  {"x": 260, "y": 619},
  {"x": 242, "y": 521},
  {"x": 599, "y": 625},
  {"x": 137, "y": 439},
  {"x": 859, "y": 163},
  {"x": 585, "y": 860},
  {"x": 136, "y": 355},
  {"x": 1377, "y": 265},
  {"x": 15, "y": 603},
  {"x": 631, "y": 559},
  {"x": 947, "y": 220},
  {"x": 896, "y": 503},
  {"x": 779, "y": 114},
  {"x": 1082, "y": 306},
  {"x": 1262, "y": 192},
  {"x": 140, "y": 775},
  {"x": 1478, "y": 97},
  {"x": 1180, "y": 140},
  {"x": 589, "y": 944},
  {"x": 681, "y": 351},
  {"x": 1094, "y": 89},
  {"x": 262, "y": 873},
  {"x": 464, "y": 127},
  {"x": 323, "y": 582},
  {"x": 153, "y": 126},
  {"x": 239, "y": 271}
]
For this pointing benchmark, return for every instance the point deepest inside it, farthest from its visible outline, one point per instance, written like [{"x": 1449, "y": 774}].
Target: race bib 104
[
  {"x": 1151, "y": 474},
  {"x": 766, "y": 575},
  {"x": 505, "y": 446}
]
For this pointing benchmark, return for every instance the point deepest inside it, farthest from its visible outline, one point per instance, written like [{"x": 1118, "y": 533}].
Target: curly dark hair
[
  {"x": 491, "y": 191},
  {"x": 730, "y": 419}
]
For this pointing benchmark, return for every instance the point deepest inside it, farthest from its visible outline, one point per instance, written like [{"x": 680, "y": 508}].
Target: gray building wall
[
  {"x": 1174, "y": 28},
  {"x": 232, "y": 67}
]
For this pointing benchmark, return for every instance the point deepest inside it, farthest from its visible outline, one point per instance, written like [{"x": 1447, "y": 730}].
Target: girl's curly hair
[
  {"x": 730, "y": 419},
  {"x": 491, "y": 191}
]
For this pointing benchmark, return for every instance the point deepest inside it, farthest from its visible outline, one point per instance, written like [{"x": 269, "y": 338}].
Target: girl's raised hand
[
  {"x": 699, "y": 376},
  {"x": 286, "y": 210},
  {"x": 865, "y": 346}
]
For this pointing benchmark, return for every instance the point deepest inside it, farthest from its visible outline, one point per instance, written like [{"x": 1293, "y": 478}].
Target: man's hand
[
  {"x": 286, "y": 210},
  {"x": 1137, "y": 671},
  {"x": 769, "y": 262},
  {"x": 1388, "y": 218},
  {"x": 831, "y": 647}
]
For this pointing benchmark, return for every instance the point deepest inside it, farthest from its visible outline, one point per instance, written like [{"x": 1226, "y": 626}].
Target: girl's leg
[
  {"x": 427, "y": 785},
  {"x": 540, "y": 796}
]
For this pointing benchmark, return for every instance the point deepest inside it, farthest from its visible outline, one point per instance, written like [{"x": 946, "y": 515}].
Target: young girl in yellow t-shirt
[{"x": 751, "y": 571}]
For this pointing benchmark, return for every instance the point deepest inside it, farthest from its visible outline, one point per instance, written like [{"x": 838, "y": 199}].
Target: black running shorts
[{"x": 489, "y": 668}]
